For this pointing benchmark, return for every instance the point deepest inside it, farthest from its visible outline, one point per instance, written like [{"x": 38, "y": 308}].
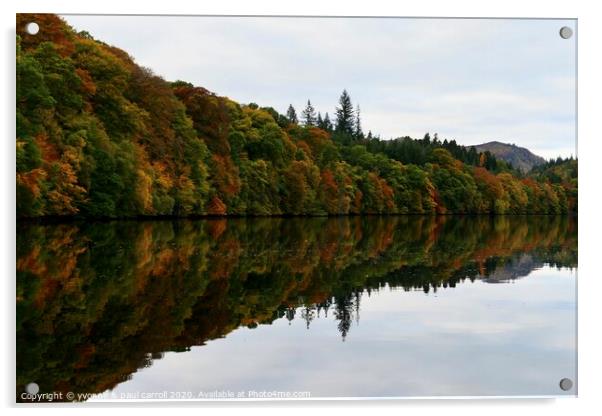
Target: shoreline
[{"x": 143, "y": 218}]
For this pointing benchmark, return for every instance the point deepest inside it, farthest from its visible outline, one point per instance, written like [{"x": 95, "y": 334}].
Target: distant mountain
[{"x": 519, "y": 157}]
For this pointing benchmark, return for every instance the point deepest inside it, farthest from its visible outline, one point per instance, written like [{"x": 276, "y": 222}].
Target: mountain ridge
[{"x": 521, "y": 158}]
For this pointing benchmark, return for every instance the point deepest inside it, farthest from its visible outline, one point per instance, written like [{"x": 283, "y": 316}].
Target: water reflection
[{"x": 98, "y": 301}]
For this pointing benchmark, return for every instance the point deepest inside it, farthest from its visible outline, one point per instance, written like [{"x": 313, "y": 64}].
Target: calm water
[{"x": 353, "y": 306}]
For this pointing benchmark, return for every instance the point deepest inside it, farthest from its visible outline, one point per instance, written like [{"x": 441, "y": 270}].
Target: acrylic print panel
[{"x": 295, "y": 208}]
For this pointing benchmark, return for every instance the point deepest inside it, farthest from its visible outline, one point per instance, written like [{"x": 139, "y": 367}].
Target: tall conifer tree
[
  {"x": 344, "y": 112},
  {"x": 359, "y": 134},
  {"x": 309, "y": 115},
  {"x": 327, "y": 123},
  {"x": 291, "y": 114},
  {"x": 320, "y": 121}
]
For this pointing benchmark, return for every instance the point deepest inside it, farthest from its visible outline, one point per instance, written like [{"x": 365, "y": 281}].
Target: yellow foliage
[{"x": 144, "y": 191}]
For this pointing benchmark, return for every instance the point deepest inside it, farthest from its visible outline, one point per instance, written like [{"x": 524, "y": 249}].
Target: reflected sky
[{"x": 475, "y": 339}]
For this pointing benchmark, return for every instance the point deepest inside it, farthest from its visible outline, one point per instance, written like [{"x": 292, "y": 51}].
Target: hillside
[
  {"x": 100, "y": 136},
  {"x": 519, "y": 157}
]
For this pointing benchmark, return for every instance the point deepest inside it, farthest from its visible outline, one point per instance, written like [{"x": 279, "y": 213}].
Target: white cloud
[
  {"x": 473, "y": 339},
  {"x": 471, "y": 80}
]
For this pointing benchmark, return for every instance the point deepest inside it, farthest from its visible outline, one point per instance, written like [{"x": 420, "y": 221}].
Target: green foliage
[
  {"x": 420, "y": 152},
  {"x": 100, "y": 136},
  {"x": 309, "y": 115},
  {"x": 34, "y": 101},
  {"x": 291, "y": 114},
  {"x": 345, "y": 115}
]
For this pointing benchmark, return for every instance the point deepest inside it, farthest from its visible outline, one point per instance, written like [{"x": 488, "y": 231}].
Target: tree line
[{"x": 100, "y": 136}]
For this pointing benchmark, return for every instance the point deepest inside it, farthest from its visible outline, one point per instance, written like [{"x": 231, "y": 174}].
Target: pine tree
[
  {"x": 309, "y": 115},
  {"x": 291, "y": 114},
  {"x": 327, "y": 123},
  {"x": 345, "y": 121},
  {"x": 320, "y": 121},
  {"x": 359, "y": 134}
]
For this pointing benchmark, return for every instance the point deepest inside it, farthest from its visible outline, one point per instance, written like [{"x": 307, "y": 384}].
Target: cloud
[
  {"x": 472, "y": 80},
  {"x": 474, "y": 339}
]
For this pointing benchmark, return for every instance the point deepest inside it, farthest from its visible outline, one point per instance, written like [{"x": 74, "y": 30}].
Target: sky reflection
[{"x": 475, "y": 339}]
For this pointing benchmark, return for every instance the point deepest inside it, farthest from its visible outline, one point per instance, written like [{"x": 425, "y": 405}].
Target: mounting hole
[
  {"x": 32, "y": 388},
  {"x": 566, "y": 384},
  {"x": 32, "y": 28},
  {"x": 566, "y": 32}
]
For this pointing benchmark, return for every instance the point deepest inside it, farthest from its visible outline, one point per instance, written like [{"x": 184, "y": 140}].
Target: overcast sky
[{"x": 469, "y": 80}]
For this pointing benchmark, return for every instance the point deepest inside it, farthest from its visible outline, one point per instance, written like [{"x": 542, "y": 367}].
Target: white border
[{"x": 590, "y": 68}]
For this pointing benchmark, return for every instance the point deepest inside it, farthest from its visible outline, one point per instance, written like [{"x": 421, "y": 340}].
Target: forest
[{"x": 98, "y": 136}]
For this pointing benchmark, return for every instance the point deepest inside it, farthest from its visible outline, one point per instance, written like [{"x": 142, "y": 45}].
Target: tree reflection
[{"x": 97, "y": 301}]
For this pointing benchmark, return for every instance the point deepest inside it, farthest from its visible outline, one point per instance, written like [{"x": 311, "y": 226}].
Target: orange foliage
[
  {"x": 388, "y": 195},
  {"x": 357, "y": 202},
  {"x": 216, "y": 228},
  {"x": 163, "y": 177},
  {"x": 317, "y": 139},
  {"x": 226, "y": 175},
  {"x": 331, "y": 191},
  {"x": 439, "y": 207},
  {"x": 31, "y": 180},
  {"x": 305, "y": 147},
  {"x": 49, "y": 151},
  {"x": 52, "y": 29},
  {"x": 88, "y": 86},
  {"x": 383, "y": 193},
  {"x": 216, "y": 207}
]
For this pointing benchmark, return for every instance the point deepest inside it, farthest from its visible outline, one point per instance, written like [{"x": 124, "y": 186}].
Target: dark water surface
[{"x": 350, "y": 306}]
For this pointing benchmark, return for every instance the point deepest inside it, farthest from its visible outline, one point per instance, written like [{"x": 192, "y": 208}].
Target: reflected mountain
[
  {"x": 518, "y": 267},
  {"x": 98, "y": 301}
]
